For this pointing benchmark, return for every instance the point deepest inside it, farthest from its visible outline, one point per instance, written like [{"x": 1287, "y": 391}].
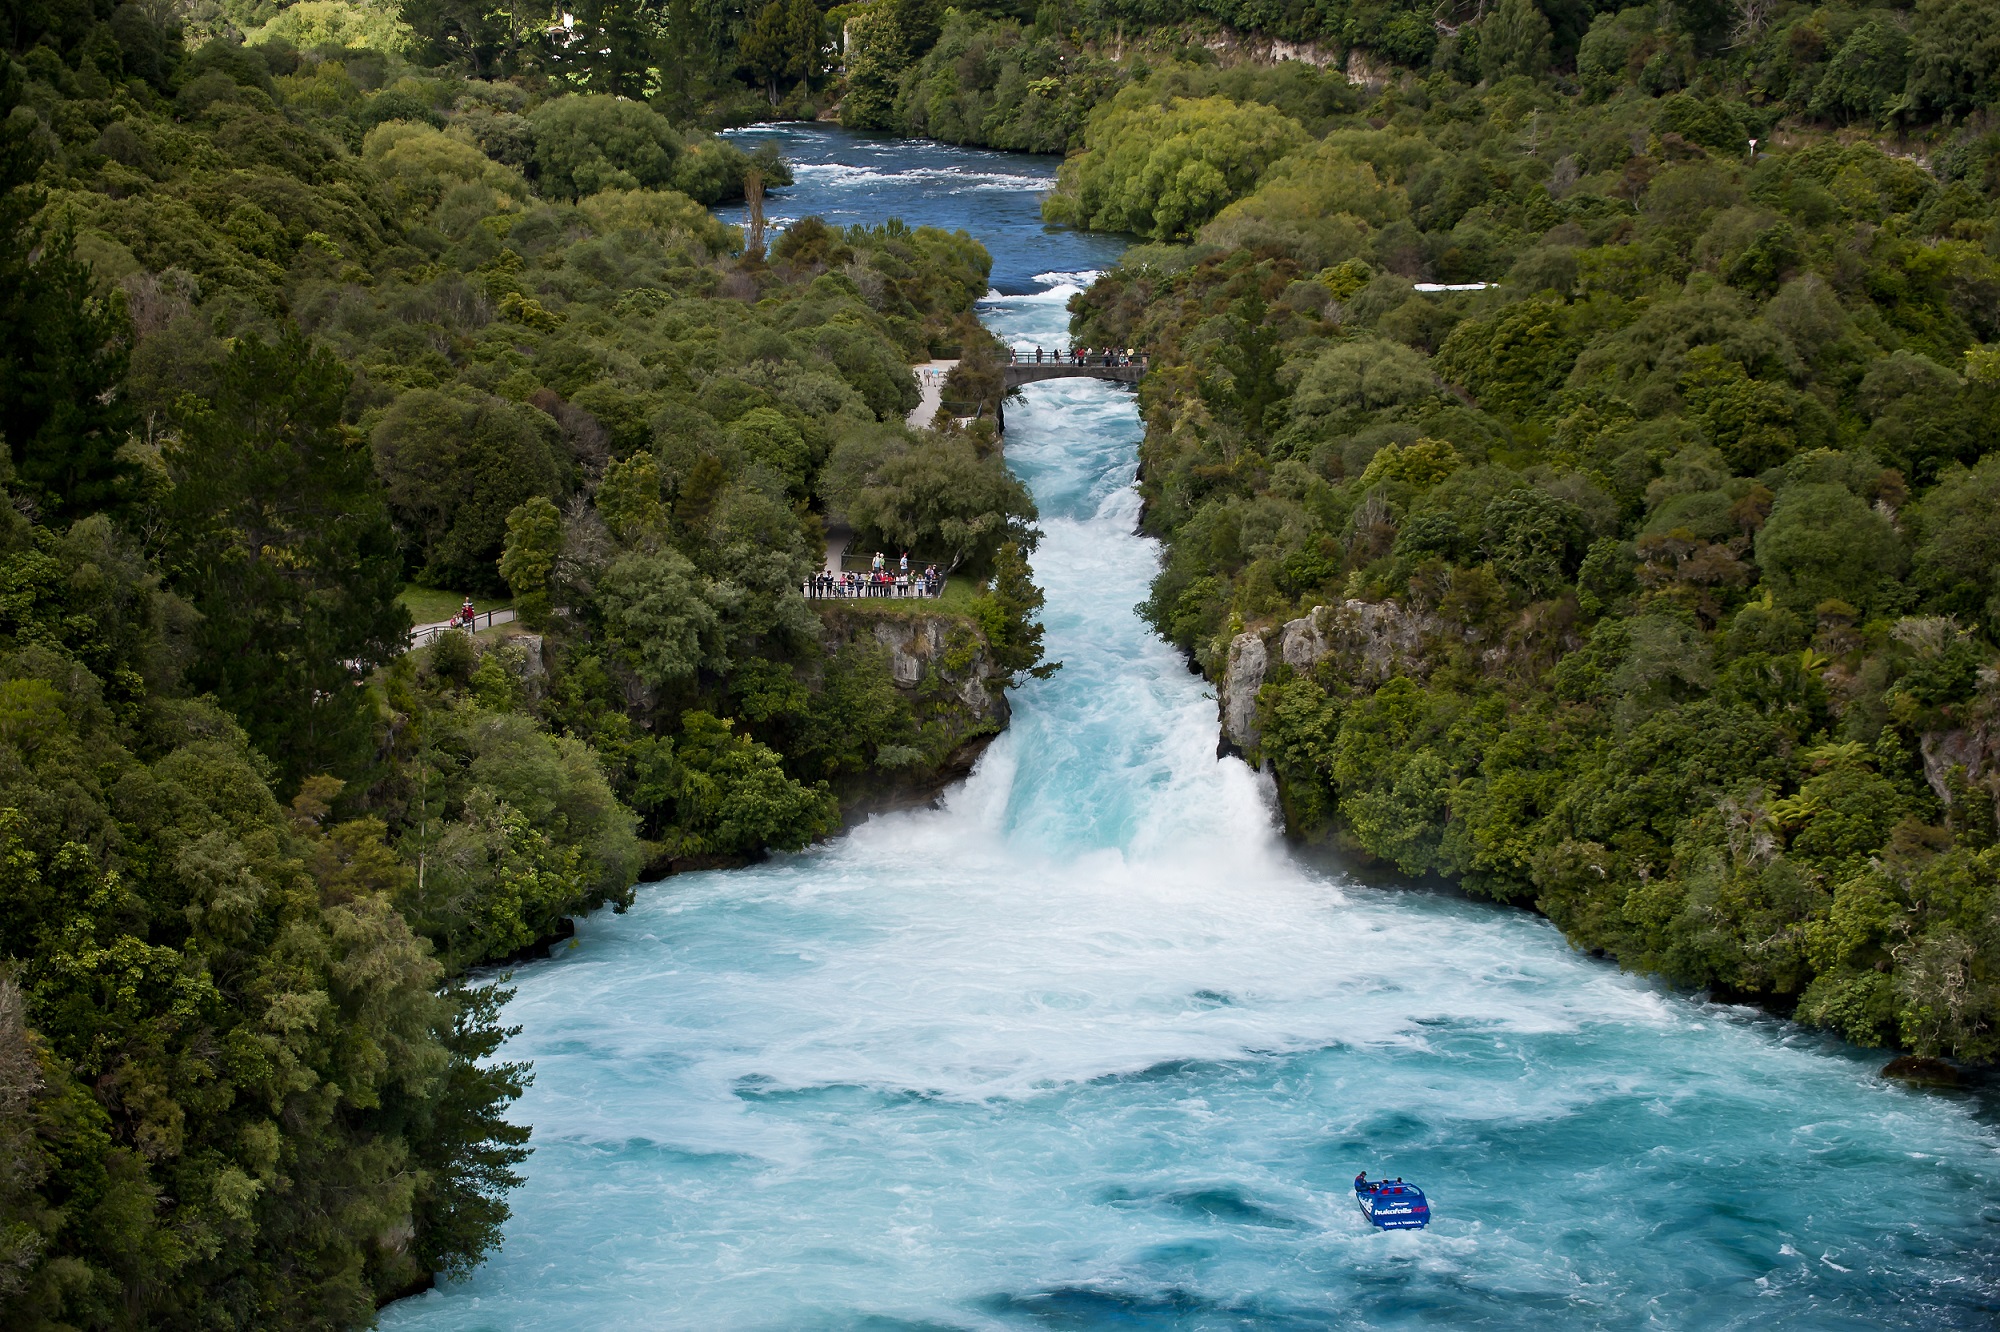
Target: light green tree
[
  {"x": 767, "y": 436},
  {"x": 534, "y": 540},
  {"x": 1163, "y": 172},
  {"x": 628, "y": 498},
  {"x": 732, "y": 794},
  {"x": 588, "y": 143},
  {"x": 657, "y": 615}
]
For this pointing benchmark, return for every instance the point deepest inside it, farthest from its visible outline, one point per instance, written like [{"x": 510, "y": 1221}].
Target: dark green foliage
[
  {"x": 732, "y": 796},
  {"x": 231, "y": 1033},
  {"x": 1821, "y": 543},
  {"x": 1514, "y": 39},
  {"x": 62, "y": 359},
  {"x": 467, "y": 1149},
  {"x": 453, "y": 471},
  {"x": 282, "y": 542},
  {"x": 787, "y": 42},
  {"x": 1660, "y": 584},
  {"x": 1954, "y": 56},
  {"x": 1011, "y": 616}
]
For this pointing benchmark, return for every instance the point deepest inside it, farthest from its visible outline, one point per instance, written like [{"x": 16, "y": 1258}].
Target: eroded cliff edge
[{"x": 942, "y": 666}]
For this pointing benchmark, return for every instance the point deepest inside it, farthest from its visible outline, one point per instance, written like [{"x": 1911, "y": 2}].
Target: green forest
[
  {"x": 1655, "y": 582},
  {"x": 287, "y": 334}
]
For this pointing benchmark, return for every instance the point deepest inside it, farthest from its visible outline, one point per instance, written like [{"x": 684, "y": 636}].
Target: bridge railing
[{"x": 1091, "y": 357}]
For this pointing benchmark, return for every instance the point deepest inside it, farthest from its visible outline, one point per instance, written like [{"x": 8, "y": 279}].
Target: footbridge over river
[
  {"x": 1029, "y": 367},
  {"x": 1027, "y": 372},
  {"x": 1032, "y": 367}
]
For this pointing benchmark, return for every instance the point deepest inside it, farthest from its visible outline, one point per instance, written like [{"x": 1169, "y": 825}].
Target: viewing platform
[{"x": 849, "y": 577}]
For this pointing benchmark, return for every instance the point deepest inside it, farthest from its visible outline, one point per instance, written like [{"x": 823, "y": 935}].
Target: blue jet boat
[{"x": 1390, "y": 1204}]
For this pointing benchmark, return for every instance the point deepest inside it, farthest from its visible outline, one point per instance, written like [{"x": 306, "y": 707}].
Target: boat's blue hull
[{"x": 1407, "y": 1210}]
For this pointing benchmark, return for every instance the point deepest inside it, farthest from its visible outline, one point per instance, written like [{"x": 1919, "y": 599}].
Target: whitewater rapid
[{"x": 1090, "y": 1047}]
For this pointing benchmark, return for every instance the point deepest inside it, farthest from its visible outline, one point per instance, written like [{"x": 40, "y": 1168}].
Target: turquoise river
[{"x": 1090, "y": 1047}]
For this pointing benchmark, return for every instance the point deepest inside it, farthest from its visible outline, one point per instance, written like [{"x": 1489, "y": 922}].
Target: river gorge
[{"x": 1089, "y": 1046}]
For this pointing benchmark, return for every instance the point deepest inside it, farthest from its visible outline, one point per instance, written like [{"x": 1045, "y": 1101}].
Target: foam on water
[
  {"x": 847, "y": 177},
  {"x": 1087, "y": 1047}
]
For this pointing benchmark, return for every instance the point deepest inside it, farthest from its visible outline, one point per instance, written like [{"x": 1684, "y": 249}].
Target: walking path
[
  {"x": 930, "y": 377},
  {"x": 838, "y": 538},
  {"x": 424, "y": 633}
]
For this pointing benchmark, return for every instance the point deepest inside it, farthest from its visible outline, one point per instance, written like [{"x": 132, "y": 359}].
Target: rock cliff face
[
  {"x": 1248, "y": 662},
  {"x": 940, "y": 662},
  {"x": 950, "y": 646},
  {"x": 1373, "y": 640},
  {"x": 1971, "y": 756}
]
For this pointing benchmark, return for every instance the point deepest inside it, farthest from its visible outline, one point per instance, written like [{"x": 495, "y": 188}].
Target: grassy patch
[{"x": 428, "y": 605}]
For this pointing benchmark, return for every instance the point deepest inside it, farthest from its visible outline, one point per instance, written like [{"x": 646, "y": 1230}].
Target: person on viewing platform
[
  {"x": 904, "y": 565},
  {"x": 877, "y": 566}
]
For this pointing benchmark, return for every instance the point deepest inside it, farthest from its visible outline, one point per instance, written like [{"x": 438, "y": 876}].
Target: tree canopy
[{"x": 295, "y": 342}]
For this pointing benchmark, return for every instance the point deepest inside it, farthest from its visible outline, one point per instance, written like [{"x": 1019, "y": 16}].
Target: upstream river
[{"x": 1088, "y": 1047}]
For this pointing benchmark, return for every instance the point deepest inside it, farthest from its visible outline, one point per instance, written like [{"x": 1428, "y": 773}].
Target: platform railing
[
  {"x": 861, "y": 585},
  {"x": 424, "y": 633}
]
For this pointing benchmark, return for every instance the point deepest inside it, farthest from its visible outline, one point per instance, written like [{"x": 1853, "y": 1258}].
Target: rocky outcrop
[
  {"x": 520, "y": 652},
  {"x": 940, "y": 662},
  {"x": 1971, "y": 754},
  {"x": 919, "y": 644},
  {"x": 1920, "y": 1072},
  {"x": 1241, "y": 680},
  {"x": 1945, "y": 750},
  {"x": 1372, "y": 640},
  {"x": 1366, "y": 70},
  {"x": 1258, "y": 49}
]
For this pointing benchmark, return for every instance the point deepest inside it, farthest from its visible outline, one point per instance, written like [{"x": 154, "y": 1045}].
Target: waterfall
[{"x": 1090, "y": 1046}]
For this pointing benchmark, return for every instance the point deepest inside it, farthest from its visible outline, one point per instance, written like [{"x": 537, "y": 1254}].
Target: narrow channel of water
[{"x": 1089, "y": 1048}]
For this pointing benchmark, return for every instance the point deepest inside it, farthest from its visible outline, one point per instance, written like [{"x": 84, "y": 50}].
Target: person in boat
[{"x": 1361, "y": 1184}]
